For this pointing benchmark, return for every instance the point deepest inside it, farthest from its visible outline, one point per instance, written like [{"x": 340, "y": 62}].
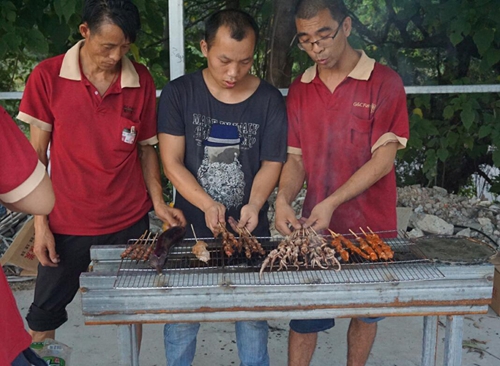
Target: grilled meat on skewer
[
  {"x": 302, "y": 247},
  {"x": 200, "y": 248},
  {"x": 365, "y": 247},
  {"x": 200, "y": 251},
  {"x": 126, "y": 253},
  {"x": 389, "y": 253}
]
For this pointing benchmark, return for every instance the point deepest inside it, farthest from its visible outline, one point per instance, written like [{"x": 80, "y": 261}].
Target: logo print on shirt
[
  {"x": 128, "y": 109},
  {"x": 220, "y": 173},
  {"x": 365, "y": 105},
  {"x": 203, "y": 124}
]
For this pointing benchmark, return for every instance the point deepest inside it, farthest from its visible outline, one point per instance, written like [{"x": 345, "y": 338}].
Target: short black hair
[
  {"x": 238, "y": 22},
  {"x": 122, "y": 13},
  {"x": 307, "y": 9}
]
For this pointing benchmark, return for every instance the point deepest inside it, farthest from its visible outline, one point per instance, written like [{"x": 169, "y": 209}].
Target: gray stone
[
  {"x": 440, "y": 191},
  {"x": 495, "y": 208},
  {"x": 464, "y": 232},
  {"x": 486, "y": 225},
  {"x": 415, "y": 233},
  {"x": 432, "y": 224},
  {"x": 419, "y": 209}
]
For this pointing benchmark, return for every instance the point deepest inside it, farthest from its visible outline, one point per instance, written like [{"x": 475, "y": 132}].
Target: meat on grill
[{"x": 166, "y": 241}]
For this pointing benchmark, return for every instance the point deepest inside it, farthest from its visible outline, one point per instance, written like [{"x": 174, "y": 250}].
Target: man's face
[
  {"x": 331, "y": 35},
  {"x": 229, "y": 60},
  {"x": 106, "y": 46}
]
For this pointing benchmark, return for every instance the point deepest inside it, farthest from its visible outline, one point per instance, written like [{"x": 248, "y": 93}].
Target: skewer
[
  {"x": 372, "y": 240},
  {"x": 132, "y": 247},
  {"x": 194, "y": 234},
  {"x": 139, "y": 251},
  {"x": 199, "y": 249},
  {"x": 349, "y": 245},
  {"x": 364, "y": 246},
  {"x": 337, "y": 243},
  {"x": 385, "y": 247},
  {"x": 150, "y": 249}
]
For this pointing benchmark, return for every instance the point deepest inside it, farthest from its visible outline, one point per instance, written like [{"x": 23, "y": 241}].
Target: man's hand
[
  {"x": 45, "y": 246},
  {"x": 320, "y": 216},
  {"x": 249, "y": 217},
  {"x": 215, "y": 213},
  {"x": 171, "y": 216},
  {"x": 285, "y": 217}
]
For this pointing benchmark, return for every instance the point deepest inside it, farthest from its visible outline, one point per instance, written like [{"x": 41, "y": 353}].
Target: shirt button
[{"x": 96, "y": 92}]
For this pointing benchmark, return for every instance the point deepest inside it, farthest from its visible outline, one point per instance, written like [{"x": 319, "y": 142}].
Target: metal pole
[
  {"x": 176, "y": 35},
  {"x": 453, "y": 340},
  {"x": 127, "y": 345},
  {"x": 429, "y": 341}
]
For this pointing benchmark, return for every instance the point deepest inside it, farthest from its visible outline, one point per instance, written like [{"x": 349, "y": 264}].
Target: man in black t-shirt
[{"x": 222, "y": 136}]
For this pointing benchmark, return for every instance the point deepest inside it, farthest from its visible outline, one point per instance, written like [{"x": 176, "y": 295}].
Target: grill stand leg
[
  {"x": 429, "y": 342},
  {"x": 453, "y": 340},
  {"x": 127, "y": 345}
]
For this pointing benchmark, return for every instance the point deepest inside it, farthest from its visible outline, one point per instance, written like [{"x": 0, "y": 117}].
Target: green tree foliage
[
  {"x": 437, "y": 42},
  {"x": 428, "y": 42}
]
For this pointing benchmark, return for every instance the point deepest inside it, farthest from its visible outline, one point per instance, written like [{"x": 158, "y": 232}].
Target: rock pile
[{"x": 435, "y": 211}]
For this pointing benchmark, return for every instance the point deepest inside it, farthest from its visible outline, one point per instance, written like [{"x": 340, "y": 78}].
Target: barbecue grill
[{"x": 127, "y": 292}]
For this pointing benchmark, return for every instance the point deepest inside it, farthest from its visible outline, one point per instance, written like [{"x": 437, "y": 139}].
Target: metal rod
[
  {"x": 429, "y": 342},
  {"x": 127, "y": 345},
  {"x": 453, "y": 340},
  {"x": 177, "y": 67}
]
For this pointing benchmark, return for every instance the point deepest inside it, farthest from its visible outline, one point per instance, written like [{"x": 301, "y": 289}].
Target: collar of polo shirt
[
  {"x": 70, "y": 68},
  {"x": 362, "y": 71}
]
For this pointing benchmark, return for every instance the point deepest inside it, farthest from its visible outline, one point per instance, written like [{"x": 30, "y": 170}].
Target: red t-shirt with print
[{"x": 336, "y": 133}]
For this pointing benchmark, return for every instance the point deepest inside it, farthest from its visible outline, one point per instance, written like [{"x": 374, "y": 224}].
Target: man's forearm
[
  {"x": 151, "y": 172},
  {"x": 187, "y": 185},
  {"x": 264, "y": 182},
  {"x": 291, "y": 180}
]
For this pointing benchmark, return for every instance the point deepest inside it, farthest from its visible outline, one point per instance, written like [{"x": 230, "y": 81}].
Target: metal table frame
[{"x": 464, "y": 290}]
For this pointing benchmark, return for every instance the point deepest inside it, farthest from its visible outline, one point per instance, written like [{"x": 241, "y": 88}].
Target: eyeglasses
[{"x": 323, "y": 42}]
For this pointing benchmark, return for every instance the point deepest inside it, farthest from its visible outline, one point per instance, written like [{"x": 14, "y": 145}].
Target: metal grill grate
[{"x": 184, "y": 270}]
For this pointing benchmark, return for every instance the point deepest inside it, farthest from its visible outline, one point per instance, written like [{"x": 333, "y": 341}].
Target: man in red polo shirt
[
  {"x": 24, "y": 186},
  {"x": 347, "y": 118},
  {"x": 96, "y": 108}
]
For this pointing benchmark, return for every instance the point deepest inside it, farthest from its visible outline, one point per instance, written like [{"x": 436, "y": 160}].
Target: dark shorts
[
  {"x": 57, "y": 286},
  {"x": 319, "y": 325},
  {"x": 28, "y": 358}
]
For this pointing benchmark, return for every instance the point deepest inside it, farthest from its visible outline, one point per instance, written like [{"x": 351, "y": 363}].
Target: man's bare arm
[
  {"x": 44, "y": 245},
  {"x": 172, "y": 150},
  {"x": 39, "y": 201},
  {"x": 151, "y": 172},
  {"x": 291, "y": 182},
  {"x": 263, "y": 184}
]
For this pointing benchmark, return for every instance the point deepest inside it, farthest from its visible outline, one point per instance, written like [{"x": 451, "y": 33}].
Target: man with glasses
[{"x": 347, "y": 118}]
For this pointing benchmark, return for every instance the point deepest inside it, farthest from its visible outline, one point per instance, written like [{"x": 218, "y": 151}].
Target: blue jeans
[{"x": 251, "y": 339}]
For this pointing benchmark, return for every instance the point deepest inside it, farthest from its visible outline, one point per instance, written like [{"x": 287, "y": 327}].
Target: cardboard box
[
  {"x": 495, "y": 300},
  {"x": 20, "y": 252}
]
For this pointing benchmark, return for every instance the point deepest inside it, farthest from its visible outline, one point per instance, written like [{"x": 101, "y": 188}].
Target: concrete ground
[{"x": 398, "y": 341}]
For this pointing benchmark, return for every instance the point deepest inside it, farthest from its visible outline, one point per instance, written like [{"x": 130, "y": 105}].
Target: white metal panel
[{"x": 176, "y": 35}]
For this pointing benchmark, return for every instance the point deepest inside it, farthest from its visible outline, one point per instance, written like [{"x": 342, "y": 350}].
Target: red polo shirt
[
  {"x": 336, "y": 133},
  {"x": 96, "y": 175},
  {"x": 20, "y": 169},
  {"x": 13, "y": 337},
  {"x": 20, "y": 174}
]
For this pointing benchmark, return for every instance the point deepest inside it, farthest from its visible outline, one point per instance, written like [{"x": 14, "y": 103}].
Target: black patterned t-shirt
[{"x": 225, "y": 143}]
